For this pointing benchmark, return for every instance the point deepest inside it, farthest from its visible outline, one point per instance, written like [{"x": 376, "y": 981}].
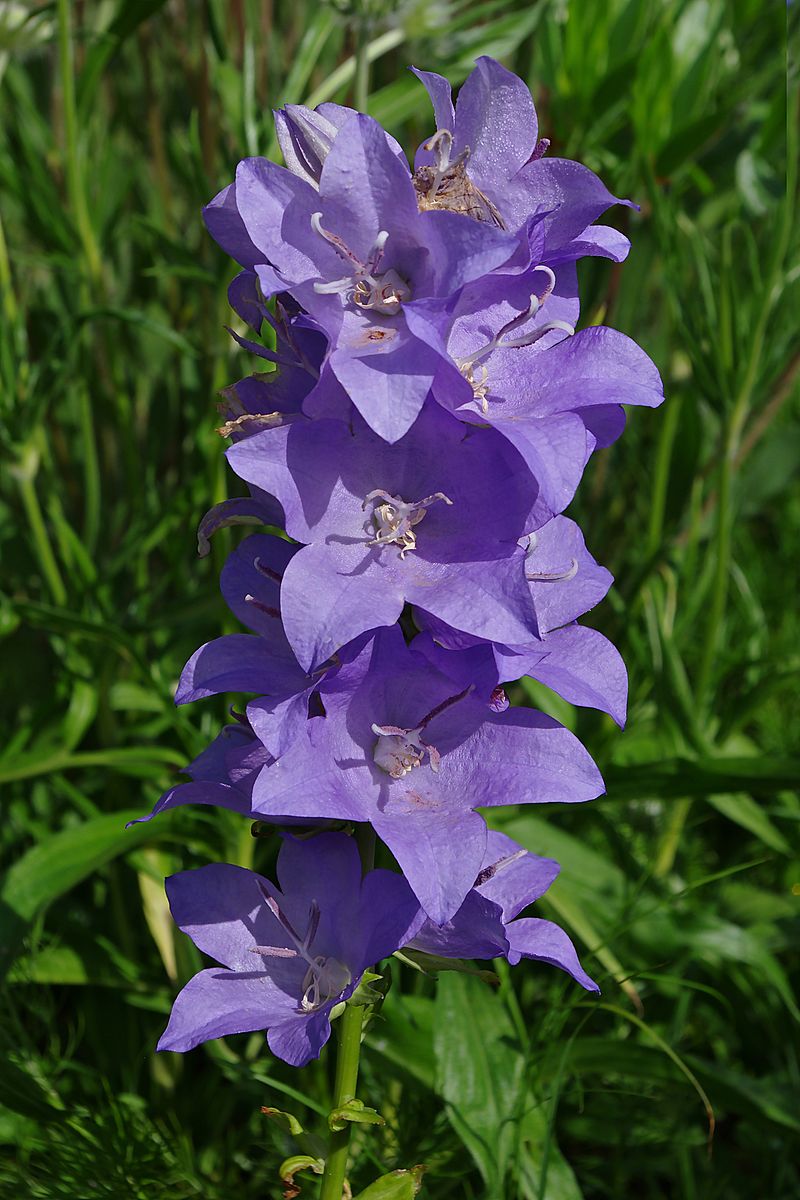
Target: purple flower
[
  {"x": 433, "y": 520},
  {"x": 577, "y": 662},
  {"x": 306, "y": 137},
  {"x": 288, "y": 954},
  {"x": 356, "y": 254},
  {"x": 485, "y": 159},
  {"x": 404, "y": 748},
  {"x": 509, "y": 360},
  {"x": 509, "y": 880}
]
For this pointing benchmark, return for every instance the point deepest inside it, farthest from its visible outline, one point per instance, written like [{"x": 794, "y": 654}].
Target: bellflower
[
  {"x": 488, "y": 924},
  {"x": 433, "y": 520},
  {"x": 355, "y": 254},
  {"x": 288, "y": 953},
  {"x": 512, "y": 360},
  {"x": 485, "y": 159},
  {"x": 401, "y": 747}
]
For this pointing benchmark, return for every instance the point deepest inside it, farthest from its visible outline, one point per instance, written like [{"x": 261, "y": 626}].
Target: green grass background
[{"x": 118, "y": 119}]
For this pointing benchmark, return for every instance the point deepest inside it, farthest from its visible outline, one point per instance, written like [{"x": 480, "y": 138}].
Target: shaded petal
[
  {"x": 299, "y": 1041},
  {"x": 226, "y": 226},
  {"x": 221, "y": 908},
  {"x": 221, "y": 795},
  {"x": 475, "y": 931},
  {"x": 279, "y": 723},
  {"x": 237, "y": 662},
  {"x": 530, "y": 937},
  {"x": 389, "y": 916}
]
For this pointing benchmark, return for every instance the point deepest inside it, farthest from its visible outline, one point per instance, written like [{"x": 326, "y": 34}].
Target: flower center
[
  {"x": 364, "y": 286},
  {"x": 394, "y": 519},
  {"x": 476, "y": 372},
  {"x": 398, "y": 751},
  {"x": 446, "y": 185},
  {"x": 326, "y": 977}
]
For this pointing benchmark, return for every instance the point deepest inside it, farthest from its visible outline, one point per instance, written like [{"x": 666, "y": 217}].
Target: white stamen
[
  {"x": 554, "y": 576},
  {"x": 393, "y": 520},
  {"x": 363, "y": 287},
  {"x": 325, "y": 978},
  {"x": 480, "y": 383}
]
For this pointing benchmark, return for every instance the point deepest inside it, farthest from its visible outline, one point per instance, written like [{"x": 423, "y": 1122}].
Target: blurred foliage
[{"x": 118, "y": 120}]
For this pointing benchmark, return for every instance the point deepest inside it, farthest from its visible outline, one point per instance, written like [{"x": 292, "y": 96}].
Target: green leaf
[
  {"x": 745, "y": 811},
  {"x": 287, "y": 1119},
  {"x": 57, "y": 864},
  {"x": 355, "y": 1111},
  {"x": 397, "y": 1185}
]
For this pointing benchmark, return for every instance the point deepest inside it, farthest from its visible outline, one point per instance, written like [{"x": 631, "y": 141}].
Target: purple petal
[
  {"x": 221, "y": 908},
  {"x": 307, "y": 781},
  {"x": 522, "y": 754},
  {"x": 571, "y": 194},
  {"x": 389, "y": 915},
  {"x": 585, "y": 668},
  {"x": 544, "y": 941},
  {"x": 439, "y": 852},
  {"x": 487, "y": 599},
  {"x": 328, "y": 600},
  {"x": 300, "y": 1040},
  {"x": 511, "y": 877},
  {"x": 227, "y": 228},
  {"x": 237, "y": 662},
  {"x": 216, "y": 1003},
  {"x": 496, "y": 118},
  {"x": 279, "y": 723},
  {"x": 439, "y": 90},
  {"x": 475, "y": 931},
  {"x": 365, "y": 188},
  {"x": 558, "y": 544}
]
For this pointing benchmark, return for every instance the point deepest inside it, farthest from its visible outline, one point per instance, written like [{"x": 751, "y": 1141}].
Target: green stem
[
  {"x": 661, "y": 475},
  {"x": 75, "y": 189},
  {"x": 41, "y": 542},
  {"x": 361, "y": 83},
  {"x": 344, "y": 1089}
]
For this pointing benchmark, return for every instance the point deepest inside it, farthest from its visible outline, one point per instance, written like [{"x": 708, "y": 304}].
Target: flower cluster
[{"x": 428, "y": 416}]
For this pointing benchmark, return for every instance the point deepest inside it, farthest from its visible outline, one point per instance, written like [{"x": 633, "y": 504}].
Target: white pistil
[
  {"x": 441, "y": 144},
  {"x": 364, "y": 287},
  {"x": 550, "y": 576},
  {"x": 326, "y": 978},
  {"x": 394, "y": 519},
  {"x": 500, "y": 341}
]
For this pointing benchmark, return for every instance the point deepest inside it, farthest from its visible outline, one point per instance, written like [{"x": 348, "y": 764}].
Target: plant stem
[
  {"x": 361, "y": 83},
  {"x": 344, "y": 1089},
  {"x": 25, "y": 474},
  {"x": 75, "y": 188}
]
